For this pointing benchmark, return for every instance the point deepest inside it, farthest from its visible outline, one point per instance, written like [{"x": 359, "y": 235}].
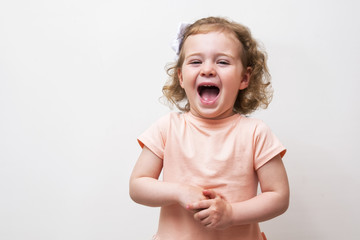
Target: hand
[
  {"x": 189, "y": 194},
  {"x": 214, "y": 212}
]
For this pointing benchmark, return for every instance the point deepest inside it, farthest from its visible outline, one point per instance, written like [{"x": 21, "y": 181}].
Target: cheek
[
  {"x": 186, "y": 78},
  {"x": 232, "y": 89},
  {"x": 232, "y": 79}
]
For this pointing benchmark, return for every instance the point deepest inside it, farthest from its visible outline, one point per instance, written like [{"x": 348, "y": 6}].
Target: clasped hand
[{"x": 210, "y": 209}]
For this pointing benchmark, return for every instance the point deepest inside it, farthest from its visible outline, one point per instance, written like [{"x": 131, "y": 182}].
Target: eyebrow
[{"x": 217, "y": 55}]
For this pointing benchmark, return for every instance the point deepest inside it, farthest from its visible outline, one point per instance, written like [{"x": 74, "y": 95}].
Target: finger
[
  {"x": 208, "y": 224},
  {"x": 206, "y": 221},
  {"x": 203, "y": 218},
  {"x": 200, "y": 205},
  {"x": 190, "y": 209},
  {"x": 202, "y": 215},
  {"x": 209, "y": 193}
]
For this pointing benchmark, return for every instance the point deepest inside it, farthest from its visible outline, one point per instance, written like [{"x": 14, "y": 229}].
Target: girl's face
[{"x": 212, "y": 74}]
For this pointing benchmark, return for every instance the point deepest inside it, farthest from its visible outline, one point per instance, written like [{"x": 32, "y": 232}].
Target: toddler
[{"x": 211, "y": 154}]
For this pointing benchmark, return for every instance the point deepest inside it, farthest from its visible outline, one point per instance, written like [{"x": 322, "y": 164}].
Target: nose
[{"x": 207, "y": 70}]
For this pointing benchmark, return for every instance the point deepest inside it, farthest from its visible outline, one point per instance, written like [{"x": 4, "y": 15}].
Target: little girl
[{"x": 212, "y": 155}]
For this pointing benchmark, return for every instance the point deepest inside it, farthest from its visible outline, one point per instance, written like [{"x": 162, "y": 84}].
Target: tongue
[{"x": 209, "y": 94}]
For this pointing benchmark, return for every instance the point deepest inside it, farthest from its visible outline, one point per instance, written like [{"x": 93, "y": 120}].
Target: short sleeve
[
  {"x": 266, "y": 145},
  {"x": 154, "y": 137}
]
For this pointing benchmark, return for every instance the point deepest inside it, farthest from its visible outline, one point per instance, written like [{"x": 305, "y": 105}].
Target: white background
[{"x": 80, "y": 80}]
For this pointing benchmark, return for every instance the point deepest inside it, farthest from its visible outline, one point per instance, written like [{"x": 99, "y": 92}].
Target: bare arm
[
  {"x": 146, "y": 189},
  {"x": 273, "y": 201}
]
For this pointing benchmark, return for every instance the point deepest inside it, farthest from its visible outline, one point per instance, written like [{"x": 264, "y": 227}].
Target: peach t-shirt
[{"x": 214, "y": 154}]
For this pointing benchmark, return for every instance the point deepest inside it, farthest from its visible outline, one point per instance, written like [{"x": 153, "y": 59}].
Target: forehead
[{"x": 218, "y": 41}]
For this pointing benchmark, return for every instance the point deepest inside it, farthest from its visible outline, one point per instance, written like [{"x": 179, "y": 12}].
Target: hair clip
[{"x": 179, "y": 38}]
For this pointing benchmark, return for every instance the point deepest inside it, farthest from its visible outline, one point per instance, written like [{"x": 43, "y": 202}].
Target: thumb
[{"x": 209, "y": 193}]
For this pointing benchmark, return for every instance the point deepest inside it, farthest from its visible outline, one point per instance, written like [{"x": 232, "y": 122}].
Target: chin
[
  {"x": 217, "y": 114},
  {"x": 211, "y": 114}
]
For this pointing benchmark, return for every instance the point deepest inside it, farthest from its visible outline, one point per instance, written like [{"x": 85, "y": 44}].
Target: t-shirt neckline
[{"x": 211, "y": 123}]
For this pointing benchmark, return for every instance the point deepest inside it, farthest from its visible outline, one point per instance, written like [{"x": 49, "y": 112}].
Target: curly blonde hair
[{"x": 259, "y": 91}]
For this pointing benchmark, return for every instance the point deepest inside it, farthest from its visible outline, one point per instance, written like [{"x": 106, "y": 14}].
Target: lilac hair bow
[{"x": 179, "y": 38}]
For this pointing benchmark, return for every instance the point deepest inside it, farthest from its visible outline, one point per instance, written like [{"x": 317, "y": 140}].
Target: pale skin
[{"x": 216, "y": 62}]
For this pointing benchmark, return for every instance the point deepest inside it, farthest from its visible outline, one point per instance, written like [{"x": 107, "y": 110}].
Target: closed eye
[
  {"x": 222, "y": 62},
  {"x": 195, "y": 62}
]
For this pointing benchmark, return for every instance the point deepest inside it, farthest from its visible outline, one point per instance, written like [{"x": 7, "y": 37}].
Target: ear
[
  {"x": 179, "y": 73},
  {"x": 245, "y": 78}
]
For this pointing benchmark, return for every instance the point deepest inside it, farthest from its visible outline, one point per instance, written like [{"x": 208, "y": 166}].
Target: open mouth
[{"x": 208, "y": 93}]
